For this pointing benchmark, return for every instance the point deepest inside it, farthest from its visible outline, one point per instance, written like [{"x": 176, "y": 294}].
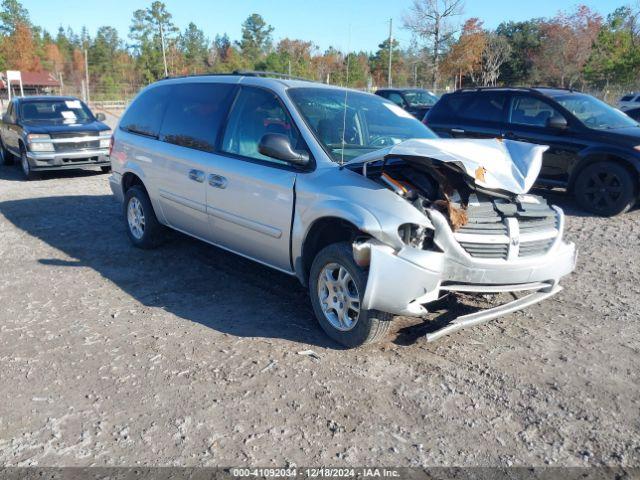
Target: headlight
[
  {"x": 415, "y": 235},
  {"x": 105, "y": 138},
  {"x": 637, "y": 147},
  {"x": 40, "y": 142}
]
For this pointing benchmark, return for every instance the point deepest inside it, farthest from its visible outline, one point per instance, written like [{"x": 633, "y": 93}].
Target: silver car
[{"x": 343, "y": 189}]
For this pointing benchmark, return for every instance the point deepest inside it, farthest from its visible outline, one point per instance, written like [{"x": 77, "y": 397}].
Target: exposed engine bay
[{"x": 469, "y": 207}]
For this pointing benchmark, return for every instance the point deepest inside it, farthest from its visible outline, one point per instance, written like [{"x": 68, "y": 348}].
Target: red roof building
[{"x": 33, "y": 83}]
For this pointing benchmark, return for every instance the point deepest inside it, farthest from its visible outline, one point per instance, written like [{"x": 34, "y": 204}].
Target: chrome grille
[
  {"x": 536, "y": 247},
  {"x": 487, "y": 232},
  {"x": 486, "y": 250}
]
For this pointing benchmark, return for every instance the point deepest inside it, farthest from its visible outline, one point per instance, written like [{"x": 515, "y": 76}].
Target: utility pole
[
  {"x": 390, "y": 50},
  {"x": 86, "y": 73},
  {"x": 164, "y": 54}
]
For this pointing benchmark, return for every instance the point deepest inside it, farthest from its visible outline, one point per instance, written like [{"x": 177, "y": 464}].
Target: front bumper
[
  {"x": 40, "y": 161},
  {"x": 403, "y": 282}
]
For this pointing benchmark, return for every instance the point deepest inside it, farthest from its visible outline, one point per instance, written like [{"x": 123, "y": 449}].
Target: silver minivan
[{"x": 343, "y": 189}]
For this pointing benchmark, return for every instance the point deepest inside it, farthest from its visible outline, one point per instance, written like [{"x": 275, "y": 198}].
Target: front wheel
[
  {"x": 605, "y": 188},
  {"x": 337, "y": 286},
  {"x": 6, "y": 158}
]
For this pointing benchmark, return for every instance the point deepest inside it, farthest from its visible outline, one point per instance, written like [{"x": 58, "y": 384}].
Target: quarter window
[
  {"x": 195, "y": 113},
  {"x": 256, "y": 113},
  {"x": 531, "y": 111},
  {"x": 144, "y": 116}
]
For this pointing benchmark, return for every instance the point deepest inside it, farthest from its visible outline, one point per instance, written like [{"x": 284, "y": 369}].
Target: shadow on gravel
[
  {"x": 186, "y": 277},
  {"x": 12, "y": 173}
]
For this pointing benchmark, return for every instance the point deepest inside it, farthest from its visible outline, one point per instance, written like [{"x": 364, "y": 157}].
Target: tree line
[{"x": 577, "y": 48}]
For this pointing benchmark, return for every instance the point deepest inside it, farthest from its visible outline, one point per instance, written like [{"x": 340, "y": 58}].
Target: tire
[
  {"x": 105, "y": 169},
  {"x": 6, "y": 157},
  {"x": 605, "y": 188},
  {"x": 143, "y": 227},
  {"x": 25, "y": 167},
  {"x": 361, "y": 328}
]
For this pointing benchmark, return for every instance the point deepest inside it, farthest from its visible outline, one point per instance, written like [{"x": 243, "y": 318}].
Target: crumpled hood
[{"x": 492, "y": 164}]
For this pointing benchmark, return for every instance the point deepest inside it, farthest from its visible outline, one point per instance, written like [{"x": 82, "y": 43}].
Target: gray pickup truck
[
  {"x": 345, "y": 190},
  {"x": 53, "y": 133}
]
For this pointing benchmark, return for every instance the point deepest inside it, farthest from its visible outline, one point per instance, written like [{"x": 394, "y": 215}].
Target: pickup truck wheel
[
  {"x": 26, "y": 167},
  {"x": 6, "y": 158},
  {"x": 605, "y": 188},
  {"x": 337, "y": 286},
  {"x": 143, "y": 227}
]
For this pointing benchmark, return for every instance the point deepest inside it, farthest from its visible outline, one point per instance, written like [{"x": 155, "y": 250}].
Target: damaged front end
[{"x": 483, "y": 233}]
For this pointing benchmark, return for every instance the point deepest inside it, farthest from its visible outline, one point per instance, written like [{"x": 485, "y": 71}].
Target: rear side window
[
  {"x": 487, "y": 107},
  {"x": 144, "y": 116},
  {"x": 626, "y": 98},
  {"x": 195, "y": 113},
  {"x": 531, "y": 111}
]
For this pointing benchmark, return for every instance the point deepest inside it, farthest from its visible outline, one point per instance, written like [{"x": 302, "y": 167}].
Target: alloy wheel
[
  {"x": 339, "y": 297},
  {"x": 603, "y": 190},
  {"x": 135, "y": 218}
]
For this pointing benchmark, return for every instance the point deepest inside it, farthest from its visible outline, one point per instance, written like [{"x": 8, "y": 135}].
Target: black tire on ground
[
  {"x": 141, "y": 222},
  {"x": 105, "y": 169},
  {"x": 25, "y": 166},
  {"x": 6, "y": 157},
  {"x": 370, "y": 325},
  {"x": 605, "y": 188}
]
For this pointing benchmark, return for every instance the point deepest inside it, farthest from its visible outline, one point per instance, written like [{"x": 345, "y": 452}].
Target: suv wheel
[
  {"x": 143, "y": 227},
  {"x": 605, "y": 188},
  {"x": 25, "y": 166},
  {"x": 336, "y": 286}
]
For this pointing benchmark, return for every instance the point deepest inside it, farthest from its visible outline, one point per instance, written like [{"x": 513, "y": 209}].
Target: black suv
[
  {"x": 416, "y": 101},
  {"x": 594, "y": 149}
]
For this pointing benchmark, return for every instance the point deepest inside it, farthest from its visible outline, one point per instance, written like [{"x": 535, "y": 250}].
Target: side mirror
[
  {"x": 278, "y": 146},
  {"x": 101, "y": 117},
  {"x": 558, "y": 122}
]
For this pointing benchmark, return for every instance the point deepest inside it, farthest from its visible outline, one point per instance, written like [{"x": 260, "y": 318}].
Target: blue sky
[{"x": 354, "y": 24}]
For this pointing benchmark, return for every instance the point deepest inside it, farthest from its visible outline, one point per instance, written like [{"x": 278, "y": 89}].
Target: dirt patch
[{"x": 188, "y": 355}]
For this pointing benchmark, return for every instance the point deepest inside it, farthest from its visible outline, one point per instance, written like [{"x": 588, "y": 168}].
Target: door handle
[
  {"x": 196, "y": 175},
  {"x": 457, "y": 130},
  {"x": 217, "y": 181}
]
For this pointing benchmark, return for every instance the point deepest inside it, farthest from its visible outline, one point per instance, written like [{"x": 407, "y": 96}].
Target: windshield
[
  {"x": 64, "y": 111},
  {"x": 595, "y": 113},
  {"x": 420, "y": 98},
  {"x": 368, "y": 122}
]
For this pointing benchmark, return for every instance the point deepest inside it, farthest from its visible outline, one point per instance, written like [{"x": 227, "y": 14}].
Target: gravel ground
[{"x": 188, "y": 356}]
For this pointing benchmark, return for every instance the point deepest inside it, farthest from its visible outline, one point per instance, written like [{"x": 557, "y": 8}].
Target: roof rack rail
[
  {"x": 243, "y": 73},
  {"x": 507, "y": 87},
  {"x": 261, "y": 73}
]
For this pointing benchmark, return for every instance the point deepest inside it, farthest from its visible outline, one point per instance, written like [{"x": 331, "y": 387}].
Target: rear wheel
[
  {"x": 105, "y": 169},
  {"x": 25, "y": 166},
  {"x": 143, "y": 227},
  {"x": 337, "y": 286},
  {"x": 605, "y": 188}
]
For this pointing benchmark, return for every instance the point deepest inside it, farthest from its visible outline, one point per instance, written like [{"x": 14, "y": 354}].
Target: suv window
[
  {"x": 144, "y": 116},
  {"x": 626, "y": 98},
  {"x": 483, "y": 106},
  {"x": 397, "y": 99},
  {"x": 531, "y": 111},
  {"x": 195, "y": 113},
  {"x": 255, "y": 113}
]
